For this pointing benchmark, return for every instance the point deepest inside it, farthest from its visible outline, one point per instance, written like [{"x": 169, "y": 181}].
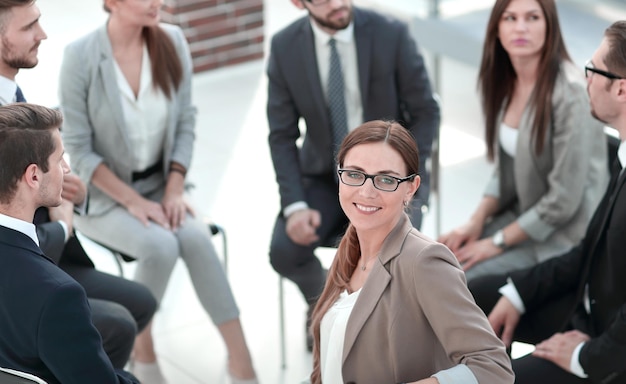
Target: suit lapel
[
  {"x": 109, "y": 82},
  {"x": 376, "y": 284},
  {"x": 363, "y": 39},
  {"x": 308, "y": 59},
  {"x": 371, "y": 293}
]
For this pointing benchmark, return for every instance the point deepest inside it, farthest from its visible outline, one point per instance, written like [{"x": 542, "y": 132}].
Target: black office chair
[{"x": 11, "y": 376}]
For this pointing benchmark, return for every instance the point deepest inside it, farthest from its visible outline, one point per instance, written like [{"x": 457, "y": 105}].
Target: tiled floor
[{"x": 235, "y": 186}]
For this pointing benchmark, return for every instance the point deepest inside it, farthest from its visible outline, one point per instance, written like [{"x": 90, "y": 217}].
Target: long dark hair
[
  {"x": 167, "y": 70},
  {"x": 349, "y": 250},
  {"x": 496, "y": 78}
]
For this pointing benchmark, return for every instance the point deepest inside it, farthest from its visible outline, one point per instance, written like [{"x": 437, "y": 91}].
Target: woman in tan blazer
[
  {"x": 395, "y": 308},
  {"x": 551, "y": 168}
]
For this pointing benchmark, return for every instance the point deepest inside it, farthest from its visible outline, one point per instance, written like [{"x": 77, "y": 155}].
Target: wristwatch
[{"x": 498, "y": 239}]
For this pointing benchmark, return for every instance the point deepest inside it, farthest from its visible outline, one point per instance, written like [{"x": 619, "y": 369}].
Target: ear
[
  {"x": 32, "y": 176},
  {"x": 621, "y": 90},
  {"x": 414, "y": 185},
  {"x": 298, "y": 4}
]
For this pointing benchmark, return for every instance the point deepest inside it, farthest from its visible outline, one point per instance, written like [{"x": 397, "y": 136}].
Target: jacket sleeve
[
  {"x": 69, "y": 344},
  {"x": 470, "y": 342},
  {"x": 418, "y": 104},
  {"x": 574, "y": 136},
  {"x": 603, "y": 357},
  {"x": 283, "y": 117}
]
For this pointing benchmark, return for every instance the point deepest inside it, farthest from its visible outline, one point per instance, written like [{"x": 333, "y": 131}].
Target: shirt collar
[
  {"x": 21, "y": 226},
  {"x": 345, "y": 35},
  {"x": 621, "y": 154},
  {"x": 7, "y": 90}
]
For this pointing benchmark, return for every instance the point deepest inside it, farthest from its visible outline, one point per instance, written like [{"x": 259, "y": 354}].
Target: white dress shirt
[
  {"x": 145, "y": 116},
  {"x": 332, "y": 335},
  {"x": 21, "y": 226},
  {"x": 8, "y": 88}
]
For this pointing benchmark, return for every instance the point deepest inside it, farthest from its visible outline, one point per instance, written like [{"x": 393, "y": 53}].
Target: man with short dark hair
[
  {"x": 119, "y": 307},
  {"x": 573, "y": 307},
  {"x": 45, "y": 321}
]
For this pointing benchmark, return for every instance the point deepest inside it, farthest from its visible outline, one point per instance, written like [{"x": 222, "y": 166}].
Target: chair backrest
[
  {"x": 612, "y": 142},
  {"x": 11, "y": 376}
]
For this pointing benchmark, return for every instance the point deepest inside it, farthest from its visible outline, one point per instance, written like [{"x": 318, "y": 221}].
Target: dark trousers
[
  {"x": 120, "y": 309},
  {"x": 534, "y": 327},
  {"x": 298, "y": 263}
]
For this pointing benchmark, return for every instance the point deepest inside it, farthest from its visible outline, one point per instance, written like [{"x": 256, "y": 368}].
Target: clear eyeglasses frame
[{"x": 382, "y": 182}]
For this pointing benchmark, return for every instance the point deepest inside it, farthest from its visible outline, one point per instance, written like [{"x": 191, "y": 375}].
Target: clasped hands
[
  {"x": 465, "y": 244},
  {"x": 302, "y": 225},
  {"x": 557, "y": 349},
  {"x": 169, "y": 213}
]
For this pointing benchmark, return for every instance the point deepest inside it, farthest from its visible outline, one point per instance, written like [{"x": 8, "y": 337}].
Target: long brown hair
[
  {"x": 496, "y": 78},
  {"x": 349, "y": 250},
  {"x": 167, "y": 70}
]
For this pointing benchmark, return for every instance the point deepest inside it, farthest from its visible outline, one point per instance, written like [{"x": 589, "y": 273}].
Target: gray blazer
[
  {"x": 557, "y": 191},
  {"x": 94, "y": 129},
  {"x": 415, "y": 317},
  {"x": 393, "y": 82}
]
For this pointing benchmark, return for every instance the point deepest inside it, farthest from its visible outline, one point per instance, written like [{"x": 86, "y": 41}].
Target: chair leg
[
  {"x": 217, "y": 229},
  {"x": 281, "y": 315},
  {"x": 118, "y": 260}
]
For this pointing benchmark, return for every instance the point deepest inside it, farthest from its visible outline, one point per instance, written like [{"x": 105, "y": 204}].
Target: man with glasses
[
  {"x": 335, "y": 69},
  {"x": 573, "y": 307}
]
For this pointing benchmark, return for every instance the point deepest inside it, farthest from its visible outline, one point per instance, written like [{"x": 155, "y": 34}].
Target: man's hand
[
  {"x": 73, "y": 189},
  {"x": 503, "y": 319},
  {"x": 560, "y": 347},
  {"x": 301, "y": 226},
  {"x": 64, "y": 212}
]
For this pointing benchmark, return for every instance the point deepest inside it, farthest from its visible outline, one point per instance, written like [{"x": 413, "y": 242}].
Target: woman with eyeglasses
[
  {"x": 395, "y": 308},
  {"x": 550, "y": 154}
]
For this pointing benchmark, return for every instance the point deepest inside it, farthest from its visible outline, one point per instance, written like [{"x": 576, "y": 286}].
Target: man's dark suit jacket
[
  {"x": 599, "y": 261},
  {"x": 45, "y": 322},
  {"x": 393, "y": 83}
]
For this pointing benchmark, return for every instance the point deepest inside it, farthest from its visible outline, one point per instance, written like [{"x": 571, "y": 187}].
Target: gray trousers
[{"x": 157, "y": 250}]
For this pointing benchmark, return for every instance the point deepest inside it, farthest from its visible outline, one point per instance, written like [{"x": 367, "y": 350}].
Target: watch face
[{"x": 498, "y": 239}]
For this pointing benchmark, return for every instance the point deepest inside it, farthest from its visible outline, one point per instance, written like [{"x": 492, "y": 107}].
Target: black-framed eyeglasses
[
  {"x": 317, "y": 2},
  {"x": 381, "y": 182},
  {"x": 590, "y": 68}
]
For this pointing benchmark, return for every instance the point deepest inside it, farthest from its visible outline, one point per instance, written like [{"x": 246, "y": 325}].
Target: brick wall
[{"x": 220, "y": 32}]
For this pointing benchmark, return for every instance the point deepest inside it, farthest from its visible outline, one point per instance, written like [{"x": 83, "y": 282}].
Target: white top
[
  {"x": 21, "y": 226},
  {"x": 332, "y": 335},
  {"x": 621, "y": 154},
  {"x": 346, "y": 48},
  {"x": 145, "y": 116},
  {"x": 508, "y": 139}
]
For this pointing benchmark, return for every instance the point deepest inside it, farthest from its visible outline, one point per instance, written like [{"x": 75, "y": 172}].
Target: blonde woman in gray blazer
[
  {"x": 129, "y": 128},
  {"x": 551, "y": 167},
  {"x": 396, "y": 308}
]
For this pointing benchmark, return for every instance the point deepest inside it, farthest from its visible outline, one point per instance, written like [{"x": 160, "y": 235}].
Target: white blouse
[
  {"x": 332, "y": 335},
  {"x": 508, "y": 139},
  {"x": 145, "y": 115}
]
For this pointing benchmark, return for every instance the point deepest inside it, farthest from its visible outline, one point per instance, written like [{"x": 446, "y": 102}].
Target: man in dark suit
[
  {"x": 573, "y": 307},
  {"x": 120, "y": 308},
  {"x": 335, "y": 69},
  {"x": 45, "y": 321}
]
